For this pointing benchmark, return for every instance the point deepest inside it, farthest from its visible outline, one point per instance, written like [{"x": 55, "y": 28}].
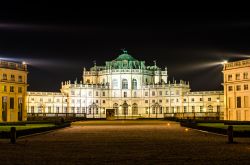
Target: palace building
[
  {"x": 236, "y": 90},
  {"x": 128, "y": 89},
  {"x": 13, "y": 91}
]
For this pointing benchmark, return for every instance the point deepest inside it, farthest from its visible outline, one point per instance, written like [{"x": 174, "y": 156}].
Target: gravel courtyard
[{"x": 125, "y": 142}]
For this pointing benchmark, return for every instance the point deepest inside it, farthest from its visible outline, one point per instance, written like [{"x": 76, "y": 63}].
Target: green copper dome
[{"x": 125, "y": 57}]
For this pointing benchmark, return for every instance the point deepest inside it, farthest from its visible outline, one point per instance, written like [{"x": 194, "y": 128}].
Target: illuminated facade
[
  {"x": 131, "y": 88},
  {"x": 13, "y": 91},
  {"x": 236, "y": 89}
]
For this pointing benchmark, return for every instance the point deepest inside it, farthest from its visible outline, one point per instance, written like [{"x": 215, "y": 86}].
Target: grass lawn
[
  {"x": 221, "y": 125},
  {"x": 27, "y": 126}
]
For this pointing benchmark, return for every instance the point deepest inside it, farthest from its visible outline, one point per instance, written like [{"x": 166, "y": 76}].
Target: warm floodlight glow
[
  {"x": 218, "y": 100},
  {"x": 224, "y": 62},
  {"x": 186, "y": 129},
  {"x": 24, "y": 63},
  {"x": 168, "y": 124}
]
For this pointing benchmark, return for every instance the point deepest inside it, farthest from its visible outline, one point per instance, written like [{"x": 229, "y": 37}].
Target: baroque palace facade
[
  {"x": 236, "y": 90},
  {"x": 13, "y": 90},
  {"x": 131, "y": 89}
]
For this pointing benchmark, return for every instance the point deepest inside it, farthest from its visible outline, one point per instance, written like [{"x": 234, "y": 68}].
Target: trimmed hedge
[
  {"x": 19, "y": 133},
  {"x": 214, "y": 130}
]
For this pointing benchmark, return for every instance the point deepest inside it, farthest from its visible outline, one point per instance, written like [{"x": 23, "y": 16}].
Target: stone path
[{"x": 129, "y": 142}]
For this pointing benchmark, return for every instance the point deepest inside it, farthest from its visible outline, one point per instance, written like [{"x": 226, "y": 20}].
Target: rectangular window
[
  {"x": 209, "y": 99},
  {"x": 245, "y": 86},
  {"x": 201, "y": 108},
  {"x": 160, "y": 101},
  {"x": 72, "y": 92},
  {"x": 245, "y": 75},
  {"x": 49, "y": 100},
  {"x": 146, "y": 101},
  {"x": 146, "y": 93},
  {"x": 185, "y": 108},
  {"x": 11, "y": 88},
  {"x": 103, "y": 101},
  {"x": 193, "y": 108},
  {"x": 134, "y": 94},
  {"x": 19, "y": 89},
  {"x": 160, "y": 93},
  {"x": 103, "y": 93},
  {"x": 167, "y": 100},
  {"x": 49, "y": 109},
  {"x": 20, "y": 78},
  {"x": 32, "y": 109},
  {"x": 177, "y": 92},
  {"x": 96, "y": 101},
  {"x": 124, "y": 94},
  {"x": 57, "y": 109},
  {"x": 96, "y": 93},
  {"x": 230, "y": 102},
  {"x": 153, "y": 101},
  {"x": 11, "y": 102},
  {"x": 90, "y": 93},
  {"x": 153, "y": 93},
  {"x": 237, "y": 77},
  {"x": 238, "y": 87},
  {"x": 12, "y": 77},
  {"x": 192, "y": 99},
  {"x": 230, "y": 88},
  {"x": 166, "y": 93},
  {"x": 41, "y": 99},
  {"x": 4, "y": 88},
  {"x": 230, "y": 77},
  {"x": 246, "y": 101},
  {"x": 201, "y": 99},
  {"x": 4, "y": 76},
  {"x": 57, "y": 100},
  {"x": 177, "y": 100},
  {"x": 184, "y": 100},
  {"x": 238, "y": 102}
]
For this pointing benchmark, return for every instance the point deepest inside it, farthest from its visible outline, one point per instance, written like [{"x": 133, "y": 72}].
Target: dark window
[
  {"x": 12, "y": 103},
  {"x": 238, "y": 102}
]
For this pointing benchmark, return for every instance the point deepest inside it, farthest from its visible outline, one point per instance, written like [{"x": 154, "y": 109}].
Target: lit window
[
  {"x": 4, "y": 88},
  {"x": 114, "y": 83},
  {"x": 20, "y": 78}
]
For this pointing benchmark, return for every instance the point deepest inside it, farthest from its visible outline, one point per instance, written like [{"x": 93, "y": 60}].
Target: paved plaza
[{"x": 125, "y": 142}]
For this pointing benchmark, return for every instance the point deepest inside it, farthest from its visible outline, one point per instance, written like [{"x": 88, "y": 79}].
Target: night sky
[{"x": 58, "y": 43}]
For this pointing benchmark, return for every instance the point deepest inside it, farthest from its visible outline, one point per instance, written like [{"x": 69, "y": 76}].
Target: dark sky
[{"x": 58, "y": 42}]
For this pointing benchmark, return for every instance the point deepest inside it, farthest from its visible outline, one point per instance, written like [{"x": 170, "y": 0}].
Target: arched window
[
  {"x": 115, "y": 83},
  {"x": 210, "y": 108},
  {"x": 134, "y": 84},
  {"x": 134, "y": 109},
  {"x": 115, "y": 106},
  {"x": 124, "y": 84},
  {"x": 125, "y": 108}
]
